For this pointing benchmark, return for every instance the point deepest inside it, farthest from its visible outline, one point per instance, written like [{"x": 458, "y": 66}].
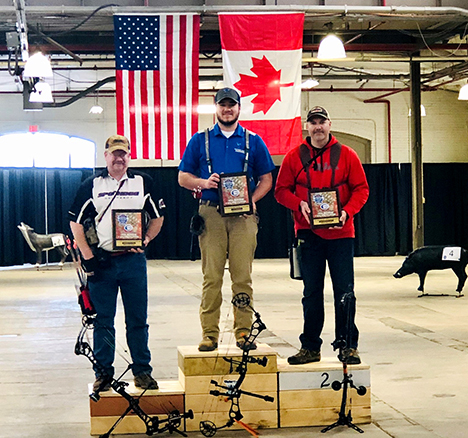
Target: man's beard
[{"x": 227, "y": 123}]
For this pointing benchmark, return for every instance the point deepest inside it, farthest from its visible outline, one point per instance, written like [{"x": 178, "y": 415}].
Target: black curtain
[
  {"x": 22, "y": 199},
  {"x": 383, "y": 227},
  {"x": 446, "y": 204}
]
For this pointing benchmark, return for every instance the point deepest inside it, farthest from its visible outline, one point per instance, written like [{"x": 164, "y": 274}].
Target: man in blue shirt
[{"x": 233, "y": 237}]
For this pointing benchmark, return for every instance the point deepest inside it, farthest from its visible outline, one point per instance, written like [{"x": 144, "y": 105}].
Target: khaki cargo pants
[{"x": 235, "y": 239}]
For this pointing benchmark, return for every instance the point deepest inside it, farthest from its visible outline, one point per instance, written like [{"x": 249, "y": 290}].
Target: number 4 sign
[{"x": 451, "y": 253}]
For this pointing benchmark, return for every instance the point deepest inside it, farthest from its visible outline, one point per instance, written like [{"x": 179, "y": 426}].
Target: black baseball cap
[
  {"x": 227, "y": 93},
  {"x": 317, "y": 111}
]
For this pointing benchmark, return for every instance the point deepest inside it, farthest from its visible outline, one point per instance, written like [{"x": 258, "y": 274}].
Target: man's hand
[
  {"x": 192, "y": 182},
  {"x": 153, "y": 229},
  {"x": 89, "y": 266},
  {"x": 212, "y": 182},
  {"x": 254, "y": 211},
  {"x": 343, "y": 219},
  {"x": 304, "y": 207}
]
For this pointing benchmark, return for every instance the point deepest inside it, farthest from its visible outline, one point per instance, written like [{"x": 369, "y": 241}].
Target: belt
[
  {"x": 118, "y": 253},
  {"x": 208, "y": 203}
]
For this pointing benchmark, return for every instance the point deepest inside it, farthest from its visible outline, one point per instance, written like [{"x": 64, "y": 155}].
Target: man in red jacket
[{"x": 318, "y": 246}]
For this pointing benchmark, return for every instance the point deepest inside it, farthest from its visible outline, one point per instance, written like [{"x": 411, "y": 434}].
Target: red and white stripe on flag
[
  {"x": 157, "y": 82},
  {"x": 262, "y": 56}
]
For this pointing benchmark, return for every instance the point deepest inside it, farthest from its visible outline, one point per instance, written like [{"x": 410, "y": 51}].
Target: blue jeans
[
  {"x": 314, "y": 253},
  {"x": 127, "y": 272}
]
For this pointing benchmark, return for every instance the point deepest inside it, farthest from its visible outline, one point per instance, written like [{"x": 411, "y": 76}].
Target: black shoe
[
  {"x": 304, "y": 356},
  {"x": 244, "y": 346},
  {"x": 101, "y": 384},
  {"x": 145, "y": 381},
  {"x": 352, "y": 356}
]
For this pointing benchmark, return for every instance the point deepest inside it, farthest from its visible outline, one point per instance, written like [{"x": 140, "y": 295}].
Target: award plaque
[
  {"x": 128, "y": 229},
  {"x": 325, "y": 208},
  {"x": 234, "y": 194}
]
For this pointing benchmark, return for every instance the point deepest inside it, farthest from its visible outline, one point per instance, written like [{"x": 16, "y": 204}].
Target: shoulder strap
[
  {"x": 304, "y": 152},
  {"x": 207, "y": 150},
  {"x": 99, "y": 218},
  {"x": 247, "y": 150},
  {"x": 306, "y": 160},
  {"x": 335, "y": 152}
]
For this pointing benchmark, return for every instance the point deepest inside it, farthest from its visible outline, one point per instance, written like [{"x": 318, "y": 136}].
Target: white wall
[
  {"x": 445, "y": 128},
  {"x": 72, "y": 120}
]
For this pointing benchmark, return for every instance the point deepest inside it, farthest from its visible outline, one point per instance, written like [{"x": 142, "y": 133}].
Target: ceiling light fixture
[
  {"x": 331, "y": 47},
  {"x": 41, "y": 93},
  {"x": 96, "y": 108},
  {"x": 463, "y": 95},
  {"x": 37, "y": 66},
  {"x": 309, "y": 83}
]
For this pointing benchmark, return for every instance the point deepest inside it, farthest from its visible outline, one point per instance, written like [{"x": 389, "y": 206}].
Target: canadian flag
[{"x": 262, "y": 56}]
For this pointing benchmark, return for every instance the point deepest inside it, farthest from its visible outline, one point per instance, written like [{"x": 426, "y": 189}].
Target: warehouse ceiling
[{"x": 380, "y": 43}]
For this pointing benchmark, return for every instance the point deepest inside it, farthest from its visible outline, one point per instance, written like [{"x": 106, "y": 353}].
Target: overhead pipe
[
  {"x": 79, "y": 95},
  {"x": 395, "y": 11},
  {"x": 389, "y": 123}
]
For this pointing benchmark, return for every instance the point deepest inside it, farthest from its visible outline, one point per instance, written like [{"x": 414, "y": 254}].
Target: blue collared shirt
[{"x": 227, "y": 156}]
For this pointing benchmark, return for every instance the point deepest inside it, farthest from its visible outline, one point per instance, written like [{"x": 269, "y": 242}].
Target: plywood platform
[
  {"x": 306, "y": 397},
  {"x": 159, "y": 402},
  {"x": 204, "y": 367},
  {"x": 303, "y": 394},
  {"x": 204, "y": 363}
]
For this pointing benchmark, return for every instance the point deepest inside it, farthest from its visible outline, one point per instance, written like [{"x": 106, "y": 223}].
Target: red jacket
[{"x": 291, "y": 186}]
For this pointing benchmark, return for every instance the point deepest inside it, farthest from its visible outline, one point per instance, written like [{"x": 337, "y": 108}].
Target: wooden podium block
[
  {"x": 197, "y": 369},
  {"x": 257, "y": 413},
  {"x": 319, "y": 375},
  {"x": 253, "y": 382},
  {"x": 321, "y": 416},
  {"x": 254, "y": 419},
  {"x": 158, "y": 402},
  {"x": 206, "y": 363},
  {"x": 306, "y": 397}
]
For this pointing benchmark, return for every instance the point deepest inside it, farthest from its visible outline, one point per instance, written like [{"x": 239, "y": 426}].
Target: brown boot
[
  {"x": 304, "y": 356},
  {"x": 208, "y": 343}
]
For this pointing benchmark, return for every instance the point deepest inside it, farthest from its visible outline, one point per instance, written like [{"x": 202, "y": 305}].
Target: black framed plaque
[
  {"x": 128, "y": 229},
  {"x": 234, "y": 194},
  {"x": 325, "y": 208}
]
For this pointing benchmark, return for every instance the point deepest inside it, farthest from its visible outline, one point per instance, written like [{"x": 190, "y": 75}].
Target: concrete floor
[{"x": 417, "y": 348}]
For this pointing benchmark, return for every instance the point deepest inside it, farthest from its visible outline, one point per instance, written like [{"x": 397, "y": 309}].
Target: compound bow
[
  {"x": 232, "y": 388},
  {"x": 153, "y": 423}
]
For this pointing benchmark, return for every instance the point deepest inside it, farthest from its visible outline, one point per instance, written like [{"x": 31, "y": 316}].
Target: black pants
[{"x": 314, "y": 253}]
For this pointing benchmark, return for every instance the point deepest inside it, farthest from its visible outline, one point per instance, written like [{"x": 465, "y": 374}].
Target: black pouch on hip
[
  {"x": 197, "y": 224},
  {"x": 294, "y": 257},
  {"x": 89, "y": 228}
]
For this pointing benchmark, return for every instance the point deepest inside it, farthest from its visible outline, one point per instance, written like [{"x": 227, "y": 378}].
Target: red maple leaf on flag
[{"x": 265, "y": 84}]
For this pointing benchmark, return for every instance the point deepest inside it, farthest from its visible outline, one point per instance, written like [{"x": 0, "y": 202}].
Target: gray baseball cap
[{"x": 227, "y": 93}]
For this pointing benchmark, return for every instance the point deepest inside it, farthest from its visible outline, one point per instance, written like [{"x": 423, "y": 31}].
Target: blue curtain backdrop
[{"x": 383, "y": 227}]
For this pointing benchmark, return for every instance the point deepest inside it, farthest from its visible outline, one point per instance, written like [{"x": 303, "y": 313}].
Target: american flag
[{"x": 157, "y": 82}]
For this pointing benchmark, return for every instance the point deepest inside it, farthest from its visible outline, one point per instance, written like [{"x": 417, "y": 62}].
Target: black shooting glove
[{"x": 90, "y": 266}]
